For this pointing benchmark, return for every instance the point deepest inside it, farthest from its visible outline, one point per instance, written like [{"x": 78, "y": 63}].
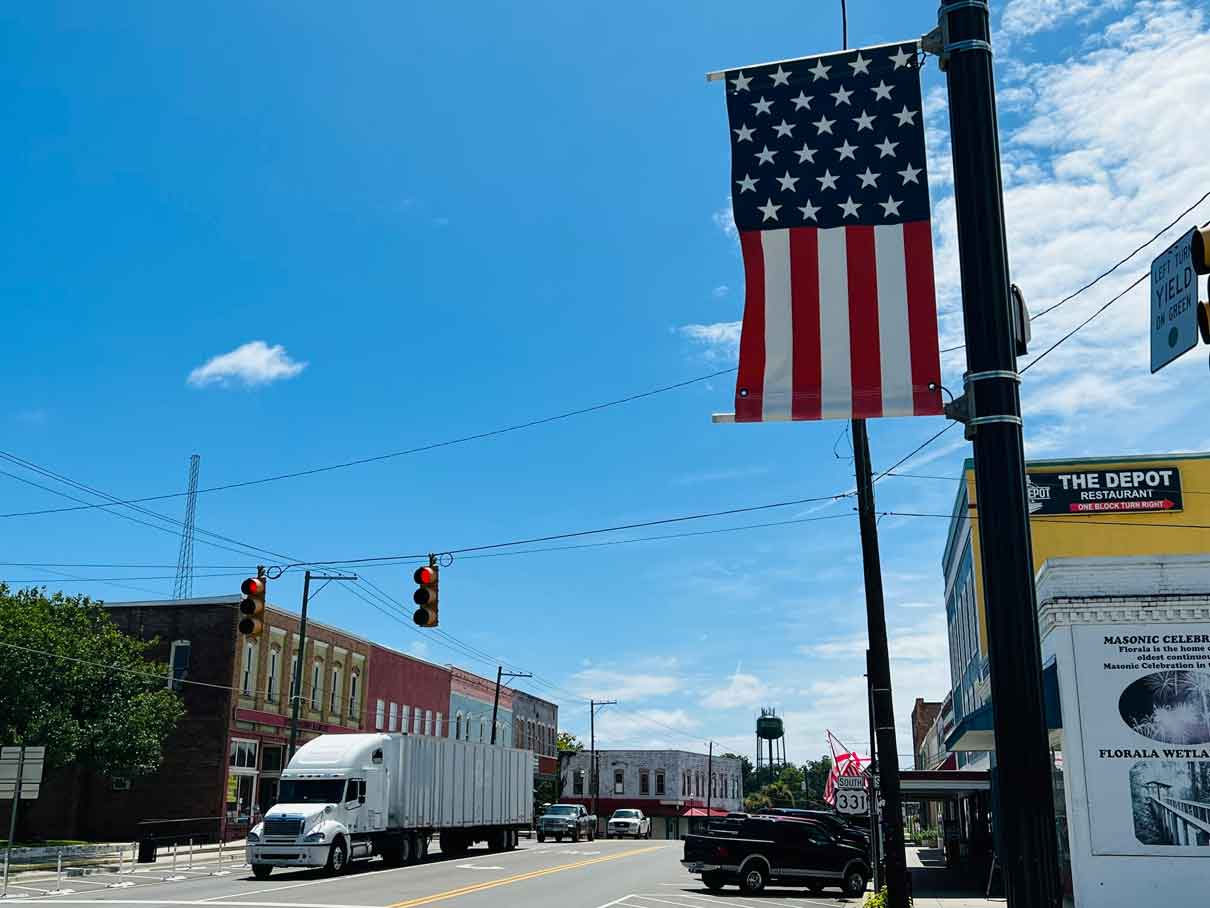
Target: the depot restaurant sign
[{"x": 1104, "y": 491}]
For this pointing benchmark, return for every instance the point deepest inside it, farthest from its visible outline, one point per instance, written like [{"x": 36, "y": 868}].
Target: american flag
[{"x": 830, "y": 197}]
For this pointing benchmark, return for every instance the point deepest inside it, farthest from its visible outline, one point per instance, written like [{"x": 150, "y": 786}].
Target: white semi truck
[{"x": 347, "y": 797}]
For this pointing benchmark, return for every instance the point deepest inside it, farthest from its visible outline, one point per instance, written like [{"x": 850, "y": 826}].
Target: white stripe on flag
[
  {"x": 836, "y": 379},
  {"x": 894, "y": 338},
  {"x": 779, "y": 326}
]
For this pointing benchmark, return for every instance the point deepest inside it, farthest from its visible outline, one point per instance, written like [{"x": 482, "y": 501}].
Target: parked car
[
  {"x": 768, "y": 850},
  {"x": 626, "y": 822},
  {"x": 567, "y": 820},
  {"x": 834, "y": 823}
]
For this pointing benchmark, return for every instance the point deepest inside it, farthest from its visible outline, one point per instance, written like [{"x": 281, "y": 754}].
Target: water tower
[{"x": 770, "y": 737}]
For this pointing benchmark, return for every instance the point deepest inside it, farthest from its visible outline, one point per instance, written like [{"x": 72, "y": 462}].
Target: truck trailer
[{"x": 344, "y": 798}]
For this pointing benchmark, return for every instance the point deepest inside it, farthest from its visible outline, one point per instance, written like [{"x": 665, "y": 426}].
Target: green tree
[
  {"x": 566, "y": 742},
  {"x": 72, "y": 682},
  {"x": 816, "y": 773}
]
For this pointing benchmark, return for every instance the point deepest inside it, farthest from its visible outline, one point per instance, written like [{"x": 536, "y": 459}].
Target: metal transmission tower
[{"x": 183, "y": 587}]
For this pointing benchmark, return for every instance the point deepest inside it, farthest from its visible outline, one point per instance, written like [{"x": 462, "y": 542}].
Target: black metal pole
[
  {"x": 1026, "y": 818},
  {"x": 496, "y": 701},
  {"x": 300, "y": 652},
  {"x": 880, "y": 674},
  {"x": 875, "y": 850},
  {"x": 710, "y": 780}
]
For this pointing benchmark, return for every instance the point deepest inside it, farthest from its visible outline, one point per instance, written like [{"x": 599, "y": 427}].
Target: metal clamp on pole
[
  {"x": 962, "y": 409},
  {"x": 938, "y": 41}
]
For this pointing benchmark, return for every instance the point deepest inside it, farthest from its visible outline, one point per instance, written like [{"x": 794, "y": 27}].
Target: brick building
[
  {"x": 535, "y": 727},
  {"x": 670, "y": 786},
  {"x": 924, "y": 714},
  {"x": 471, "y": 701},
  {"x": 406, "y": 694}
]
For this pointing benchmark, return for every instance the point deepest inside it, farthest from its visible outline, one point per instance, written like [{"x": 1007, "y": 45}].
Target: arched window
[{"x": 458, "y": 725}]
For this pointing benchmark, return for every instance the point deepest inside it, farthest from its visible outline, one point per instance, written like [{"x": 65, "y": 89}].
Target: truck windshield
[
  {"x": 626, "y": 814},
  {"x": 310, "y": 791},
  {"x": 560, "y": 811}
]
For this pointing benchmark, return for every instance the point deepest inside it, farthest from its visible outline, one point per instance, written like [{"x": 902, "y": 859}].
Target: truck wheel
[
  {"x": 423, "y": 853},
  {"x": 854, "y": 883},
  {"x": 262, "y": 871},
  {"x": 592, "y": 834},
  {"x": 558, "y": 838},
  {"x": 453, "y": 843},
  {"x": 541, "y": 837},
  {"x": 713, "y": 880},
  {"x": 393, "y": 853},
  {"x": 752, "y": 880},
  {"x": 338, "y": 857},
  {"x": 575, "y": 836}
]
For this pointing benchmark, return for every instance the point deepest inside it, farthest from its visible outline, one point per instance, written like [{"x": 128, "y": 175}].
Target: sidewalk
[
  {"x": 935, "y": 886},
  {"x": 48, "y": 869}
]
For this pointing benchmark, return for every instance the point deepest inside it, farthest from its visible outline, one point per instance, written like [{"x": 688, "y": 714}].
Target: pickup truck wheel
[
  {"x": 338, "y": 857},
  {"x": 753, "y": 878},
  {"x": 262, "y": 871},
  {"x": 592, "y": 835},
  {"x": 575, "y": 836},
  {"x": 854, "y": 883},
  {"x": 541, "y": 837},
  {"x": 713, "y": 880},
  {"x": 558, "y": 838}
]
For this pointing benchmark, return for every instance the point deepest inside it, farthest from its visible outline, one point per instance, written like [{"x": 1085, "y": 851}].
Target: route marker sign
[
  {"x": 851, "y": 795},
  {"x": 1173, "y": 305}
]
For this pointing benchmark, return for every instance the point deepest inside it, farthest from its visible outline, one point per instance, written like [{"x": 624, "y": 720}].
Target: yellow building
[{"x": 1134, "y": 506}]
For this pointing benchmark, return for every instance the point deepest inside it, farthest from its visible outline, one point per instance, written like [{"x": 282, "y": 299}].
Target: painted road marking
[
  {"x": 478, "y": 867},
  {"x": 24, "y": 901},
  {"x": 518, "y": 878}
]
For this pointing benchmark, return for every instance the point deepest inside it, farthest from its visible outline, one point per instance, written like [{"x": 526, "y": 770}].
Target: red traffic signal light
[
  {"x": 426, "y": 595},
  {"x": 252, "y": 606}
]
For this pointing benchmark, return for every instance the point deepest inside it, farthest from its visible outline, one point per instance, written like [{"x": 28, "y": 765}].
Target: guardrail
[{"x": 1185, "y": 822}]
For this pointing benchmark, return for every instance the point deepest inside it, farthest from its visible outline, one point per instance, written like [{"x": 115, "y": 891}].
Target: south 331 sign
[
  {"x": 1153, "y": 488},
  {"x": 851, "y": 795}
]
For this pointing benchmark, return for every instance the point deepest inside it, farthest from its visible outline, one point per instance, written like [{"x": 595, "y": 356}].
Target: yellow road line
[{"x": 518, "y": 878}]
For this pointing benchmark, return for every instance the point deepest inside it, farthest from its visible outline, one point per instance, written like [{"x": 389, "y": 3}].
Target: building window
[
  {"x": 317, "y": 674},
  {"x": 334, "y": 696},
  {"x": 428, "y": 721},
  {"x": 659, "y": 781},
  {"x": 353, "y": 692},
  {"x": 380, "y": 714},
  {"x": 577, "y": 782},
  {"x": 417, "y": 718},
  {"x": 619, "y": 784},
  {"x": 178, "y": 664},
  {"x": 439, "y": 734},
  {"x": 271, "y": 680},
  {"x": 272, "y": 758},
  {"x": 293, "y": 677},
  {"x": 242, "y": 754},
  {"x": 644, "y": 782},
  {"x": 403, "y": 718},
  {"x": 458, "y": 726},
  {"x": 394, "y": 726},
  {"x": 481, "y": 726},
  {"x": 249, "y": 673}
]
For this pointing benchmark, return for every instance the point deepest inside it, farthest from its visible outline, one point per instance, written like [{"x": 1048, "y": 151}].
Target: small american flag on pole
[{"x": 830, "y": 197}]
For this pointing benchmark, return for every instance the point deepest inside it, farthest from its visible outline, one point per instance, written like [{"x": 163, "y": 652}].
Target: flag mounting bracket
[{"x": 962, "y": 408}]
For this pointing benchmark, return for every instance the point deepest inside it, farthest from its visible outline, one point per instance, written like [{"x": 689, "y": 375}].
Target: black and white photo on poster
[
  {"x": 1170, "y": 706},
  {"x": 1171, "y": 802}
]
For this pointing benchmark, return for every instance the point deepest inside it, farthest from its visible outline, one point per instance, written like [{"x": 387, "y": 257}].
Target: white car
[{"x": 625, "y": 823}]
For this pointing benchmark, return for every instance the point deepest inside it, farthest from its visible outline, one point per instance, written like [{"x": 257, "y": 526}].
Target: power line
[{"x": 478, "y": 436}]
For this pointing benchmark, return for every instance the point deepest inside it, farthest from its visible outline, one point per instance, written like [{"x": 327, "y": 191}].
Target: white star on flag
[
  {"x": 766, "y": 156},
  {"x": 808, "y": 210},
  {"x": 860, "y": 65},
  {"x": 762, "y": 106},
  {"x": 890, "y": 206},
  {"x": 747, "y": 184},
  {"x": 887, "y": 148},
  {"x": 841, "y": 95},
  {"x": 905, "y": 117},
  {"x": 806, "y": 154},
  {"x": 802, "y": 101},
  {"x": 827, "y": 181},
  {"x": 784, "y": 129},
  {"x": 850, "y": 207},
  {"x": 787, "y": 182},
  {"x": 869, "y": 178},
  {"x": 741, "y": 82},
  {"x": 909, "y": 174},
  {"x": 846, "y": 151},
  {"x": 882, "y": 91},
  {"x": 780, "y": 77},
  {"x": 819, "y": 71},
  {"x": 769, "y": 210},
  {"x": 743, "y": 134},
  {"x": 823, "y": 124},
  {"x": 901, "y": 58},
  {"x": 865, "y": 121}
]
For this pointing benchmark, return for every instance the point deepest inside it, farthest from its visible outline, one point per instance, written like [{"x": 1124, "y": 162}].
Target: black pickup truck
[{"x": 759, "y": 851}]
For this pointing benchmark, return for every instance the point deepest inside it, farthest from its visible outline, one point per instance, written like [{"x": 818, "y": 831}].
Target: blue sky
[{"x": 394, "y": 226}]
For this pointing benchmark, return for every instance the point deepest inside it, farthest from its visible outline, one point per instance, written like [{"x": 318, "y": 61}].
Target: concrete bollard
[{"x": 59, "y": 872}]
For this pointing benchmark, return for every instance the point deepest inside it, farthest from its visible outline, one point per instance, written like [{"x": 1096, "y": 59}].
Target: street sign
[
  {"x": 1156, "y": 489},
  {"x": 31, "y": 771},
  {"x": 1173, "y": 302},
  {"x": 851, "y": 782},
  {"x": 851, "y": 802}
]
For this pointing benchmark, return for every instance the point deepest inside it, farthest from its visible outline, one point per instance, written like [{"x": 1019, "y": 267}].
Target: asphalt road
[{"x": 600, "y": 874}]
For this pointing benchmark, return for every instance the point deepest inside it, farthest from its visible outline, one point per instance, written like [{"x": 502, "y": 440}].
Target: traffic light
[
  {"x": 1201, "y": 265},
  {"x": 426, "y": 594},
  {"x": 252, "y": 607}
]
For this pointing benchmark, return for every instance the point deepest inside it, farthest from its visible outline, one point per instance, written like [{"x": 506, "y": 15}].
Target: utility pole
[
  {"x": 592, "y": 744},
  {"x": 710, "y": 780},
  {"x": 879, "y": 670},
  {"x": 875, "y": 850},
  {"x": 501, "y": 673},
  {"x": 1025, "y": 817},
  {"x": 300, "y": 651}
]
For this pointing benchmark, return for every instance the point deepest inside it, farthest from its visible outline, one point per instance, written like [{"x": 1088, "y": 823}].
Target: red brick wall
[{"x": 396, "y": 678}]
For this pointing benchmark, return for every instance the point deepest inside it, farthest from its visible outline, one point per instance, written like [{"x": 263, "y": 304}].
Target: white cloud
[
  {"x": 719, "y": 340},
  {"x": 251, "y": 364},
  {"x": 647, "y": 729},
  {"x": 724, "y": 220},
  {"x": 924, "y": 642},
  {"x": 1028, "y": 17},
  {"x": 720, "y": 291},
  {"x": 624, "y": 685},
  {"x": 741, "y": 690}
]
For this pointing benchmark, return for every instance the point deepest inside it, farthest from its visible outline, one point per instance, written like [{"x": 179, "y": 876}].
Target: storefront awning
[
  {"x": 976, "y": 731},
  {"x": 701, "y": 812},
  {"x": 939, "y": 784}
]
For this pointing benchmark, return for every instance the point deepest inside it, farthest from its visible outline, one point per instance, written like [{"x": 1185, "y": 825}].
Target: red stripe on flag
[
  {"x": 804, "y": 296},
  {"x": 750, "y": 382},
  {"x": 922, "y": 317},
  {"x": 864, "y": 358}
]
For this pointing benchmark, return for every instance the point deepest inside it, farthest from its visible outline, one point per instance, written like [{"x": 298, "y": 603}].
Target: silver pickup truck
[{"x": 571, "y": 821}]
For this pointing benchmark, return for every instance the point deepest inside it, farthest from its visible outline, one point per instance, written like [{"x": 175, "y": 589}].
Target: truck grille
[{"x": 291, "y": 828}]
